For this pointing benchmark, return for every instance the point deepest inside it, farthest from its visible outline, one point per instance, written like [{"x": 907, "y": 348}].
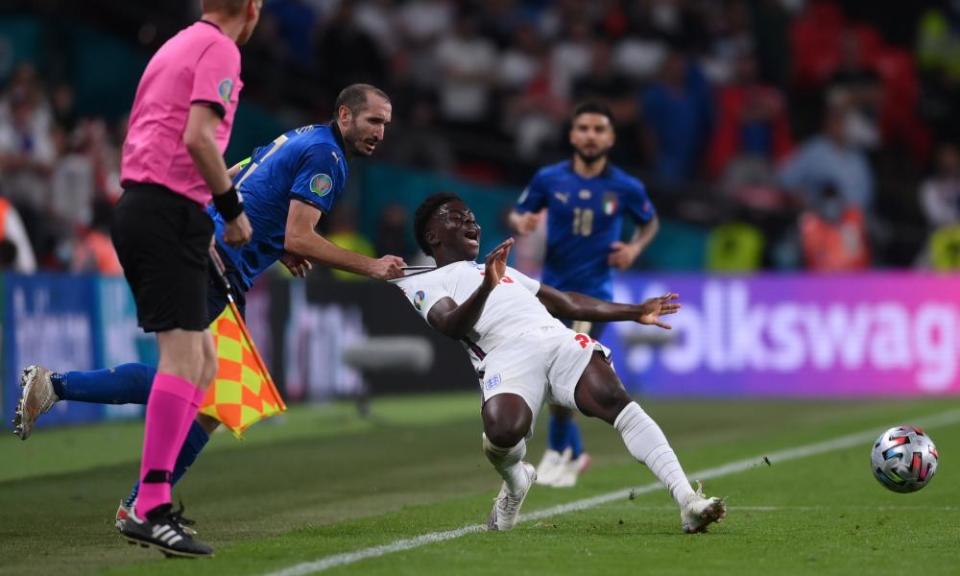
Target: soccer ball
[{"x": 904, "y": 459}]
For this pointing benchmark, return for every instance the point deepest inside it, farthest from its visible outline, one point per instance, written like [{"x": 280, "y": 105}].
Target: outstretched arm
[
  {"x": 456, "y": 321},
  {"x": 301, "y": 239},
  {"x": 575, "y": 306}
]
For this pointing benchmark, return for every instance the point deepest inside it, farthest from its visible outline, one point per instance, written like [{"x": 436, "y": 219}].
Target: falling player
[
  {"x": 585, "y": 199},
  {"x": 524, "y": 356}
]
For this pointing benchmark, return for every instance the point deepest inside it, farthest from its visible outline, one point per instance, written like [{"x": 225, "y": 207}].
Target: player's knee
[
  {"x": 506, "y": 419},
  {"x": 505, "y": 435}
]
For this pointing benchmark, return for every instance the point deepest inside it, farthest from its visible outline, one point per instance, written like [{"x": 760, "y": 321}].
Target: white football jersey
[{"x": 511, "y": 310}]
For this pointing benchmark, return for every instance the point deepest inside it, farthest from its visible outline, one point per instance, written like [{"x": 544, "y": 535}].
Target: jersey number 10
[{"x": 582, "y": 221}]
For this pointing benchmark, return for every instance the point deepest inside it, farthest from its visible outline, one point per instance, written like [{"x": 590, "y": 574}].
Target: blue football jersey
[
  {"x": 584, "y": 218},
  {"x": 305, "y": 164}
]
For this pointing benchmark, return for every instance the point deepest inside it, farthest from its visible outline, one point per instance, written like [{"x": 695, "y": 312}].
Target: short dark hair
[
  {"x": 592, "y": 107},
  {"x": 231, "y": 7},
  {"x": 424, "y": 212},
  {"x": 354, "y": 97}
]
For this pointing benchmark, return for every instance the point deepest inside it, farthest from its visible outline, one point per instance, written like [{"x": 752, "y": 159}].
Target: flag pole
[{"x": 228, "y": 287}]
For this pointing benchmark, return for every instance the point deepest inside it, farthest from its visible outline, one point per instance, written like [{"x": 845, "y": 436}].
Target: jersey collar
[
  {"x": 338, "y": 137},
  {"x": 603, "y": 174},
  {"x": 209, "y": 23}
]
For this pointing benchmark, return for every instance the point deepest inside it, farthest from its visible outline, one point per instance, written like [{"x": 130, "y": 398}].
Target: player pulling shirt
[{"x": 306, "y": 164}]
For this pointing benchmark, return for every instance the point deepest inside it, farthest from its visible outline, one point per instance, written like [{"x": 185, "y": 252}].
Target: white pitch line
[{"x": 848, "y": 441}]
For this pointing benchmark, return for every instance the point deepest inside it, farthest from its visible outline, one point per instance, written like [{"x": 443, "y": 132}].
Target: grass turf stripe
[{"x": 734, "y": 467}]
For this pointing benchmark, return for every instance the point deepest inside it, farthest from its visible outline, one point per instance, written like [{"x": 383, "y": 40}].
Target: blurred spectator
[
  {"x": 425, "y": 20},
  {"x": 752, "y": 121},
  {"x": 732, "y": 39},
  {"x": 771, "y": 39},
  {"x": 27, "y": 155},
  {"x": 829, "y": 160},
  {"x": 834, "y": 235},
  {"x": 346, "y": 54},
  {"x": 857, "y": 86},
  {"x": 570, "y": 59},
  {"x": 16, "y": 253},
  {"x": 93, "y": 249},
  {"x": 940, "y": 194},
  {"x": 520, "y": 62},
  {"x": 499, "y": 19},
  {"x": 25, "y": 86},
  {"x": 938, "y": 43},
  {"x": 606, "y": 84},
  {"x": 677, "y": 111},
  {"x": 62, "y": 103},
  {"x": 393, "y": 232},
  {"x": 295, "y": 22},
  {"x": 418, "y": 143},
  {"x": 468, "y": 65},
  {"x": 532, "y": 114},
  {"x": 377, "y": 18},
  {"x": 678, "y": 22},
  {"x": 72, "y": 185}
]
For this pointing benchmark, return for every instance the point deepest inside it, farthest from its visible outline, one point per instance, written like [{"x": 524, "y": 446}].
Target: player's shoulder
[
  {"x": 624, "y": 178},
  {"x": 551, "y": 171},
  {"x": 205, "y": 37},
  {"x": 315, "y": 142}
]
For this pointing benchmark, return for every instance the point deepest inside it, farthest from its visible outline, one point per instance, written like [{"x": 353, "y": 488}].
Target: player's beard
[{"x": 591, "y": 159}]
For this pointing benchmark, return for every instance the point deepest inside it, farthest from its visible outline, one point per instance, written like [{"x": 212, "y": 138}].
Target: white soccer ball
[{"x": 904, "y": 459}]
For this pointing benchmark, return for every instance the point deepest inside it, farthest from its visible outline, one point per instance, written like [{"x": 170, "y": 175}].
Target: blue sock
[
  {"x": 196, "y": 439},
  {"x": 557, "y": 436},
  {"x": 125, "y": 384},
  {"x": 573, "y": 438}
]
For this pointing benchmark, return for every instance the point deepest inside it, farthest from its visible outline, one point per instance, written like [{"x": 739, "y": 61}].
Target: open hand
[
  {"x": 654, "y": 308},
  {"x": 496, "y": 264}
]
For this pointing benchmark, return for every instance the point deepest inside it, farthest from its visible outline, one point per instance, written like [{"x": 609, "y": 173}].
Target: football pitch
[{"x": 405, "y": 492}]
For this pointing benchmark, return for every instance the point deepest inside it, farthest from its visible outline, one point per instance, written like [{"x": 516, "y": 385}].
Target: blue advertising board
[{"x": 50, "y": 320}]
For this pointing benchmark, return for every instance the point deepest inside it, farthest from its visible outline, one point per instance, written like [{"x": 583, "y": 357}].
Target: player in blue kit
[
  {"x": 585, "y": 200},
  {"x": 286, "y": 186}
]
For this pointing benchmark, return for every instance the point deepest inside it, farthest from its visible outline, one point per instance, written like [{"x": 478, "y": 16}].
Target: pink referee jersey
[{"x": 199, "y": 64}]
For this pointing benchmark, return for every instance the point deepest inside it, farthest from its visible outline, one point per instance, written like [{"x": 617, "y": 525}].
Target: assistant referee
[{"x": 172, "y": 167}]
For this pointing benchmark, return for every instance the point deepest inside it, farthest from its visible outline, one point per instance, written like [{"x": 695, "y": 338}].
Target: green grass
[{"x": 323, "y": 481}]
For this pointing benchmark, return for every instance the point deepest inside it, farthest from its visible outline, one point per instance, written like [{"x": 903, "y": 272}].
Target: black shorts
[{"x": 163, "y": 240}]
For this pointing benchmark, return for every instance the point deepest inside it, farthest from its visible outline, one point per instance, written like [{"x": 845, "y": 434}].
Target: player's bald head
[
  {"x": 425, "y": 212},
  {"x": 230, "y": 7},
  {"x": 356, "y": 97}
]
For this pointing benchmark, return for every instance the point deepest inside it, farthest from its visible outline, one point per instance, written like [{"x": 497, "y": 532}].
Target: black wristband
[{"x": 228, "y": 204}]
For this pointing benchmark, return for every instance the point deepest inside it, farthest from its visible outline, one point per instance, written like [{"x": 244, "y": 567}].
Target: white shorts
[{"x": 544, "y": 366}]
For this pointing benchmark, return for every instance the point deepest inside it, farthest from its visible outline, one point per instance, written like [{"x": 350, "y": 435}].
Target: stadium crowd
[{"x": 800, "y": 133}]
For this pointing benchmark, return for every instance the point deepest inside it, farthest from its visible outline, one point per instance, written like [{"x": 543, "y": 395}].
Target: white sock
[
  {"x": 646, "y": 442},
  {"x": 507, "y": 462}
]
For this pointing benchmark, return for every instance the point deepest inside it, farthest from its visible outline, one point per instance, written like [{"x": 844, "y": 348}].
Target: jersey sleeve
[
  {"x": 318, "y": 178},
  {"x": 638, "y": 204},
  {"x": 522, "y": 279},
  {"x": 423, "y": 293},
  {"x": 534, "y": 196},
  {"x": 216, "y": 80}
]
